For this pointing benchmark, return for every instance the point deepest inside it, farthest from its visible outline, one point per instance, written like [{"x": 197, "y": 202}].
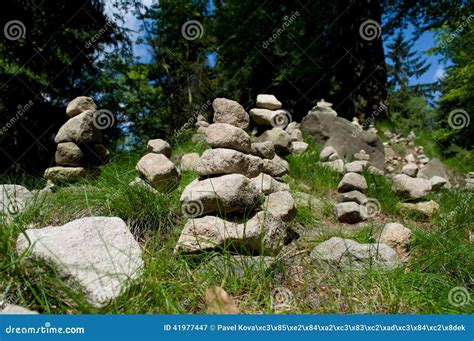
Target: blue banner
[{"x": 237, "y": 327}]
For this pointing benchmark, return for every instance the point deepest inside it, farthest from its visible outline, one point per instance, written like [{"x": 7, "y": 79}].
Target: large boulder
[
  {"x": 97, "y": 254},
  {"x": 80, "y": 129},
  {"x": 231, "y": 112},
  {"x": 262, "y": 234},
  {"x": 347, "y": 253},
  {"x": 280, "y": 138},
  {"x": 224, "y": 194},
  {"x": 159, "y": 171},
  {"x": 343, "y": 136},
  {"x": 228, "y": 161},
  {"x": 79, "y": 105},
  {"x": 433, "y": 168},
  {"x": 60, "y": 174},
  {"x": 223, "y": 135},
  {"x": 413, "y": 188},
  {"x": 68, "y": 154}
]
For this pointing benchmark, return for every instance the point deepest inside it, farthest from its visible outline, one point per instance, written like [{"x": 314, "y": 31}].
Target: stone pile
[
  {"x": 79, "y": 149},
  {"x": 156, "y": 170},
  {"x": 274, "y": 124},
  {"x": 236, "y": 201}
]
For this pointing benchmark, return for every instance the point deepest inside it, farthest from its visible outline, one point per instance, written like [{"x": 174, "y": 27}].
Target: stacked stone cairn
[
  {"x": 156, "y": 170},
  {"x": 79, "y": 149},
  {"x": 236, "y": 202},
  {"x": 275, "y": 124}
]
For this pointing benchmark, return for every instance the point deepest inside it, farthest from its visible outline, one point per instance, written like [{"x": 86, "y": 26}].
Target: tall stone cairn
[
  {"x": 79, "y": 150},
  {"x": 236, "y": 202}
]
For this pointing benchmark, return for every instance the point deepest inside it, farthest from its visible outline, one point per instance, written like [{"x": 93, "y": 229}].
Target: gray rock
[
  {"x": 11, "y": 309},
  {"x": 231, "y": 112},
  {"x": 353, "y": 196},
  {"x": 262, "y": 234},
  {"x": 189, "y": 162},
  {"x": 280, "y": 138},
  {"x": 228, "y": 161},
  {"x": 68, "y": 154},
  {"x": 414, "y": 188},
  {"x": 423, "y": 208},
  {"x": 159, "y": 171},
  {"x": 159, "y": 146},
  {"x": 223, "y": 135},
  {"x": 438, "y": 182},
  {"x": 352, "y": 181},
  {"x": 343, "y": 136},
  {"x": 296, "y": 135},
  {"x": 265, "y": 150},
  {"x": 326, "y": 153},
  {"x": 266, "y": 184},
  {"x": 268, "y": 102},
  {"x": 281, "y": 205},
  {"x": 275, "y": 167},
  {"x": 13, "y": 200},
  {"x": 357, "y": 166},
  {"x": 97, "y": 254},
  {"x": 61, "y": 174},
  {"x": 433, "y": 168},
  {"x": 347, "y": 253},
  {"x": 350, "y": 212},
  {"x": 270, "y": 118},
  {"x": 410, "y": 169},
  {"x": 299, "y": 147},
  {"x": 80, "y": 129},
  {"x": 79, "y": 105},
  {"x": 397, "y": 237},
  {"x": 224, "y": 194}
]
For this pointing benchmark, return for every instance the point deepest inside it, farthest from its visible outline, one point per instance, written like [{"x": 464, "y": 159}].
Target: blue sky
[{"x": 422, "y": 44}]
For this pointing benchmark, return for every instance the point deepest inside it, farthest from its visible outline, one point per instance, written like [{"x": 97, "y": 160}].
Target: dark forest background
[{"x": 73, "y": 48}]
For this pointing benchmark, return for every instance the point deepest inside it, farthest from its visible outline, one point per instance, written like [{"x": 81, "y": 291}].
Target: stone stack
[
  {"x": 351, "y": 207},
  {"x": 236, "y": 201},
  {"x": 274, "y": 124},
  {"x": 79, "y": 142},
  {"x": 156, "y": 169}
]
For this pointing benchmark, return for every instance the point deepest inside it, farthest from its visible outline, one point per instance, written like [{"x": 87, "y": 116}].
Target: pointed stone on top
[
  {"x": 231, "y": 112},
  {"x": 266, "y": 101}
]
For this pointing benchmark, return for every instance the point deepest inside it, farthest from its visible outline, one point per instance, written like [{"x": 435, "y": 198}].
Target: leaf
[{"x": 219, "y": 302}]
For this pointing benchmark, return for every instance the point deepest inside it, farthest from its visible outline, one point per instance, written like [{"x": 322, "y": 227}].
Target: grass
[{"x": 442, "y": 257}]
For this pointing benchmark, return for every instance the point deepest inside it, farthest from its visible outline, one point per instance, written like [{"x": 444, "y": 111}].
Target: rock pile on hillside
[
  {"x": 236, "y": 201},
  {"x": 79, "y": 149},
  {"x": 156, "y": 169}
]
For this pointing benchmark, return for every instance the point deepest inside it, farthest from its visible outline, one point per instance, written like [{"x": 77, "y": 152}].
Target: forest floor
[{"x": 441, "y": 253}]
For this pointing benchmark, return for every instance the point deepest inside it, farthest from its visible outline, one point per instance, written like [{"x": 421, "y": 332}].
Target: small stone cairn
[
  {"x": 79, "y": 149},
  {"x": 156, "y": 170},
  {"x": 275, "y": 125},
  {"x": 236, "y": 201}
]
